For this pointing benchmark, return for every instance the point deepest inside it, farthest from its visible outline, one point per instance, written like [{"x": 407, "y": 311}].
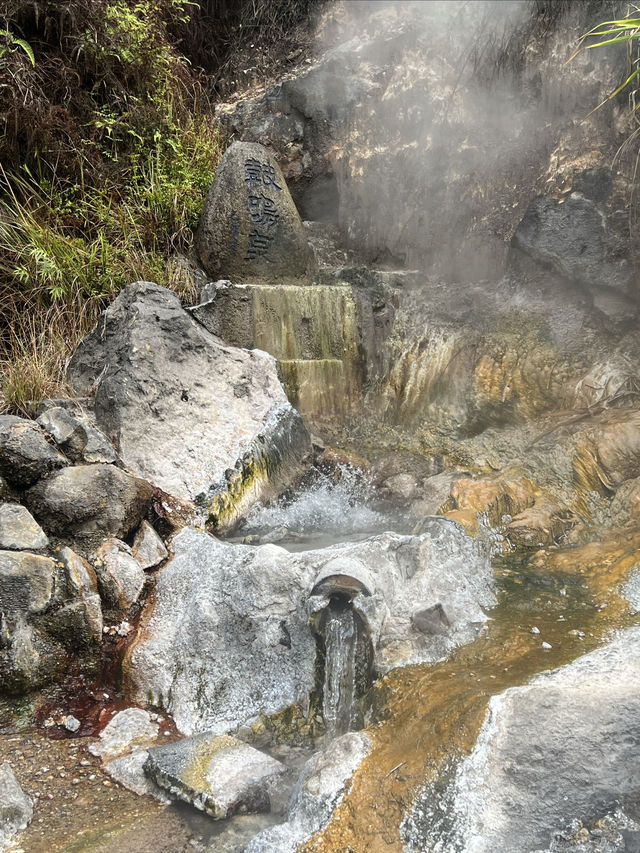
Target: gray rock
[
  {"x": 88, "y": 502},
  {"x": 48, "y": 610},
  {"x": 562, "y": 748},
  {"x": 128, "y": 771},
  {"x": 25, "y": 454},
  {"x": 249, "y": 228},
  {"x": 19, "y": 530},
  {"x": 320, "y": 789},
  {"x": 229, "y": 637},
  {"x": 26, "y": 582},
  {"x": 148, "y": 548},
  {"x": 76, "y": 436},
  {"x": 431, "y": 620},
  {"x": 571, "y": 238},
  {"x": 186, "y": 413},
  {"x": 217, "y": 774},
  {"x": 129, "y": 728},
  {"x": 121, "y": 578},
  {"x": 16, "y": 808}
]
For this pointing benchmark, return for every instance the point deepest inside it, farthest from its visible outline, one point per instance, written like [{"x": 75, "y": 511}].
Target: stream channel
[{"x": 422, "y": 719}]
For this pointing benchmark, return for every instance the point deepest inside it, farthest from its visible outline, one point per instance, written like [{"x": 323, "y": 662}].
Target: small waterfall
[{"x": 340, "y": 667}]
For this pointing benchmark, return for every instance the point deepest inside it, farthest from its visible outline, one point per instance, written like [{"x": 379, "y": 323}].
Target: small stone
[
  {"x": 120, "y": 576},
  {"x": 546, "y": 645},
  {"x": 148, "y": 548},
  {"x": 128, "y": 727},
  {"x": 535, "y": 630},
  {"x": 71, "y": 723}
]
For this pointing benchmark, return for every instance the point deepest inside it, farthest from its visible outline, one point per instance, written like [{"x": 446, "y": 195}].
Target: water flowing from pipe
[{"x": 339, "y": 674}]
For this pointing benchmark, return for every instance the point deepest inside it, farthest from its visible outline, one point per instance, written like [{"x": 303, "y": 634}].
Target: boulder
[
  {"x": 16, "y": 808},
  {"x": 228, "y": 638},
  {"x": 217, "y": 774},
  {"x": 86, "y": 503},
  {"x": 25, "y": 454},
  {"x": 49, "y": 610},
  {"x": 571, "y": 238},
  {"x": 322, "y": 785},
  {"x": 19, "y": 530},
  {"x": 148, "y": 548},
  {"x": 249, "y": 229},
  {"x": 120, "y": 576},
  {"x": 78, "y": 439},
  {"x": 190, "y": 415},
  {"x": 563, "y": 748}
]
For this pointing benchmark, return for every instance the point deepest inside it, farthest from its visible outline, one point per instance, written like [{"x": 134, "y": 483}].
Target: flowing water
[
  {"x": 329, "y": 511},
  {"x": 339, "y": 670}
]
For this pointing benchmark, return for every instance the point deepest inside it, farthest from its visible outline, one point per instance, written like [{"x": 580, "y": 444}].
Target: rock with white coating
[
  {"x": 196, "y": 418},
  {"x": 148, "y": 548},
  {"x": 121, "y": 578},
  {"x": 322, "y": 785},
  {"x": 562, "y": 748},
  {"x": 228, "y": 636},
  {"x": 131, "y": 727},
  {"x": 16, "y": 808},
  {"x": 217, "y": 774},
  {"x": 128, "y": 771},
  {"x": 19, "y": 530}
]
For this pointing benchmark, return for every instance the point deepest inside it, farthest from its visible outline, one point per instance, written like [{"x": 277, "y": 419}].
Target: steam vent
[
  {"x": 250, "y": 230},
  {"x": 320, "y": 426}
]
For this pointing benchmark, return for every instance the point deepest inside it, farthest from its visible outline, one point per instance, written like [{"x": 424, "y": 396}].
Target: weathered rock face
[
  {"x": 572, "y": 239},
  {"x": 19, "y": 530},
  {"x": 249, "y": 228},
  {"x": 16, "y": 808},
  {"x": 217, "y": 774},
  {"x": 182, "y": 409},
  {"x": 120, "y": 576},
  {"x": 76, "y": 436},
  {"x": 312, "y": 331},
  {"x": 148, "y": 548},
  {"x": 88, "y": 502},
  {"x": 562, "y": 748},
  {"x": 48, "y": 610},
  {"x": 25, "y": 454},
  {"x": 229, "y": 636},
  {"x": 321, "y": 787}
]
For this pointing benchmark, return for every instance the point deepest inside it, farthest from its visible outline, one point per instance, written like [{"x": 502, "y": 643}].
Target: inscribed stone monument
[{"x": 250, "y": 230}]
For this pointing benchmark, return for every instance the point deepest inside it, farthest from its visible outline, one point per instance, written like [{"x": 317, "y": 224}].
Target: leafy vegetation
[{"x": 618, "y": 31}]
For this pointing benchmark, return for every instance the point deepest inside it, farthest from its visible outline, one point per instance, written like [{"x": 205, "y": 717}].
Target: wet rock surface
[
  {"x": 229, "y": 638},
  {"x": 249, "y": 227},
  {"x": 217, "y": 774},
  {"x": 320, "y": 789},
  {"x": 561, "y": 748}
]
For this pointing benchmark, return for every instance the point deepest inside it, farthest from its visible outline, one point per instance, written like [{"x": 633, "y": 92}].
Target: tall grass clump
[{"x": 99, "y": 191}]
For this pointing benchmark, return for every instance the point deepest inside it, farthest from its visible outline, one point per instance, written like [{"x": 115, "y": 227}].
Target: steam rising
[{"x": 445, "y": 123}]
